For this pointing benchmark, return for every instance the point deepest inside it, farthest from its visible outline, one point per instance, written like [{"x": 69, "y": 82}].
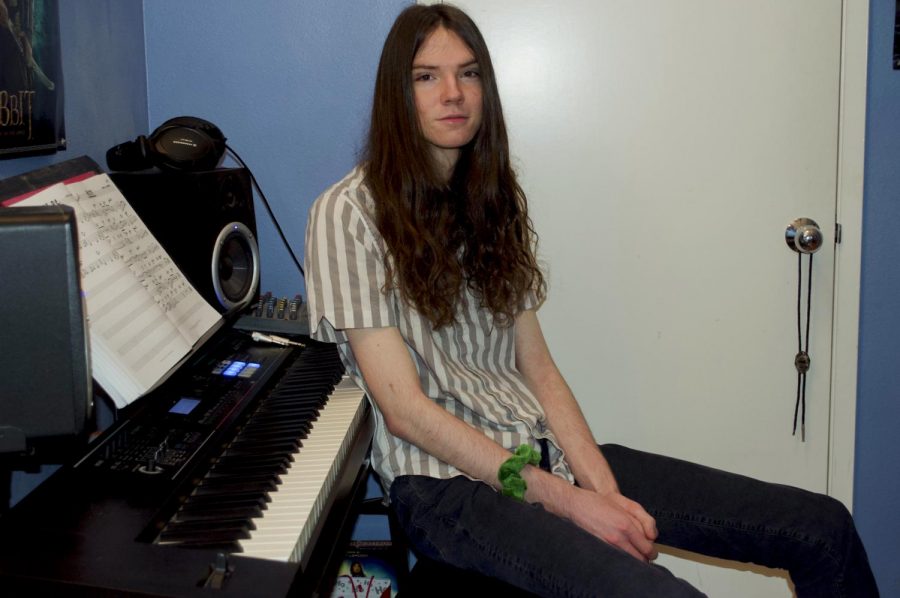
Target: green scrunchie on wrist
[{"x": 511, "y": 482}]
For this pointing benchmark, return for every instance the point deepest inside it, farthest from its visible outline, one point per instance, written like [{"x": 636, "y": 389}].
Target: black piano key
[
  {"x": 298, "y": 391},
  {"x": 225, "y": 478},
  {"x": 292, "y": 409},
  {"x": 226, "y": 529},
  {"x": 243, "y": 472},
  {"x": 257, "y": 449},
  {"x": 292, "y": 399},
  {"x": 269, "y": 412},
  {"x": 252, "y": 459},
  {"x": 219, "y": 547},
  {"x": 234, "y": 495},
  {"x": 263, "y": 444},
  {"x": 251, "y": 450},
  {"x": 250, "y": 468},
  {"x": 286, "y": 437},
  {"x": 237, "y": 486},
  {"x": 186, "y": 533},
  {"x": 274, "y": 427},
  {"x": 202, "y": 503},
  {"x": 224, "y": 545},
  {"x": 209, "y": 486},
  {"x": 274, "y": 424},
  {"x": 219, "y": 513}
]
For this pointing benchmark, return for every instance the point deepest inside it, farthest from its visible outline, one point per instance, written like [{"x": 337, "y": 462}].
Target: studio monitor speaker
[
  {"x": 45, "y": 392},
  {"x": 205, "y": 221}
]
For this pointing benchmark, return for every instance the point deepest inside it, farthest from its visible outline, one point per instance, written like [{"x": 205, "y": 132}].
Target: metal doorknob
[{"x": 803, "y": 236}]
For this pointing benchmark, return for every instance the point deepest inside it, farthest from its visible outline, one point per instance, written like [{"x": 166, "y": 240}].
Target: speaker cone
[{"x": 235, "y": 266}]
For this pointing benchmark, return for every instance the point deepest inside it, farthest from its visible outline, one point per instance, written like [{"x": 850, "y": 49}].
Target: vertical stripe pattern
[{"x": 467, "y": 368}]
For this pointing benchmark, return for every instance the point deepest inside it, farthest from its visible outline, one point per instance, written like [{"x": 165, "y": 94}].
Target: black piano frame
[{"x": 74, "y": 537}]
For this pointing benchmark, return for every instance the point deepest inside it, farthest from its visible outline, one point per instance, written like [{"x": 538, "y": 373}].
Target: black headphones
[{"x": 181, "y": 143}]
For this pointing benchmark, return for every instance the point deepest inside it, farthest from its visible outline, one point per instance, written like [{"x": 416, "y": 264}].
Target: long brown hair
[{"x": 472, "y": 230}]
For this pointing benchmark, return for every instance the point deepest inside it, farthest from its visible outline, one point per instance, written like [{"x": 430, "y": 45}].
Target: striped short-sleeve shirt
[{"x": 468, "y": 368}]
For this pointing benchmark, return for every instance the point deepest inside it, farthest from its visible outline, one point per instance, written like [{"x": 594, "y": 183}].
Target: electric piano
[{"x": 236, "y": 477}]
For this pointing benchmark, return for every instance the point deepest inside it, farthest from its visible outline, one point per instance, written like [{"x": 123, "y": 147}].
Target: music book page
[{"x": 143, "y": 313}]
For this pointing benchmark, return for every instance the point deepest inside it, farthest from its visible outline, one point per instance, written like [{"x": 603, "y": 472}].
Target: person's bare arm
[
  {"x": 392, "y": 380},
  {"x": 615, "y": 518}
]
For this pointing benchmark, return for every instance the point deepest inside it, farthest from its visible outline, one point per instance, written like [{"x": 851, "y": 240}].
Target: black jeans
[{"x": 468, "y": 525}]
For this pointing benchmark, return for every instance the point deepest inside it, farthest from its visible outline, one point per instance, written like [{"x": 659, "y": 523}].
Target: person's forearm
[
  {"x": 415, "y": 418},
  {"x": 442, "y": 435},
  {"x": 394, "y": 386},
  {"x": 564, "y": 416},
  {"x": 410, "y": 415},
  {"x": 565, "y": 419},
  {"x": 447, "y": 438}
]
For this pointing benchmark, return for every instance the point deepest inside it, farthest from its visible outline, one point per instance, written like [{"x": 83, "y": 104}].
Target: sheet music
[{"x": 143, "y": 314}]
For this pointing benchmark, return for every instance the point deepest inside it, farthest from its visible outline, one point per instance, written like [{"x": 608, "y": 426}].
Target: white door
[{"x": 664, "y": 147}]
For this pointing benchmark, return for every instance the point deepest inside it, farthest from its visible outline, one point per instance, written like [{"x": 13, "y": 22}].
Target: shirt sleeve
[
  {"x": 345, "y": 274},
  {"x": 530, "y": 300}
]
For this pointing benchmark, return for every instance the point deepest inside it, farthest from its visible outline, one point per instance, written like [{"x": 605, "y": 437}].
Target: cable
[
  {"x": 802, "y": 360},
  {"x": 265, "y": 202}
]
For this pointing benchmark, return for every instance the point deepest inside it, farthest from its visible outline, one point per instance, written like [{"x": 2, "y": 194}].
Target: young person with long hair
[{"x": 421, "y": 267}]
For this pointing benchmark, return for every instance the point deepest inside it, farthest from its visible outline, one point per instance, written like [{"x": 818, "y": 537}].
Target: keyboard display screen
[{"x": 184, "y": 406}]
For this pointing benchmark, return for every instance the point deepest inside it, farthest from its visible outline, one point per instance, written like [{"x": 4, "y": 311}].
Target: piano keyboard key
[
  {"x": 270, "y": 490},
  {"x": 103, "y": 510},
  {"x": 286, "y": 527}
]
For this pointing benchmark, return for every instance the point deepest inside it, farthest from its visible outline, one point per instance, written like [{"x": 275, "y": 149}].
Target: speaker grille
[{"x": 235, "y": 266}]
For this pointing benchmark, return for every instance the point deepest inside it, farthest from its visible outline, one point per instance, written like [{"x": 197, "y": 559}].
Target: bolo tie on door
[{"x": 803, "y": 236}]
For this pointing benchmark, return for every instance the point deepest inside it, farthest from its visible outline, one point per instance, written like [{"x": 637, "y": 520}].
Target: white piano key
[{"x": 286, "y": 526}]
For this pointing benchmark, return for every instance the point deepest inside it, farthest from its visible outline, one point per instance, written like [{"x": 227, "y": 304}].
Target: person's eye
[
  {"x": 423, "y": 77},
  {"x": 472, "y": 74}
]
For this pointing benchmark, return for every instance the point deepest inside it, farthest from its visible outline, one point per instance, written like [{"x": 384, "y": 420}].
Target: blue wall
[
  {"x": 105, "y": 80},
  {"x": 877, "y": 491},
  {"x": 289, "y": 84},
  {"x": 105, "y": 101}
]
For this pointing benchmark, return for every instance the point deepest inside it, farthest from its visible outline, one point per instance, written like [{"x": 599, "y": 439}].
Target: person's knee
[
  {"x": 832, "y": 517},
  {"x": 827, "y": 535}
]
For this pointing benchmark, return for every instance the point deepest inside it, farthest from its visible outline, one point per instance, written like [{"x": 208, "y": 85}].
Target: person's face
[{"x": 447, "y": 90}]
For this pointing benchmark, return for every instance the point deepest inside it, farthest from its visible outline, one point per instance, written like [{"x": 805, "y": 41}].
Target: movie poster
[
  {"x": 31, "y": 89},
  {"x": 897, "y": 36}
]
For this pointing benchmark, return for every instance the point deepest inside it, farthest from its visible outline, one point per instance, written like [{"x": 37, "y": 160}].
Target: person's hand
[{"x": 616, "y": 520}]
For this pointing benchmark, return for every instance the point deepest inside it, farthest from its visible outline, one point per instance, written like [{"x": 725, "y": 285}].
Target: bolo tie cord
[{"x": 802, "y": 360}]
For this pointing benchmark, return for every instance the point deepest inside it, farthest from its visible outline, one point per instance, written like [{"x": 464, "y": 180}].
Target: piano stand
[
  {"x": 158, "y": 505},
  {"x": 5, "y": 490},
  {"x": 431, "y": 578},
  {"x": 48, "y": 562},
  {"x": 437, "y": 580},
  {"x": 219, "y": 572}
]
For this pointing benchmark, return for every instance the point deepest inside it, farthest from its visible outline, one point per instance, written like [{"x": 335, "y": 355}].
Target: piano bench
[
  {"x": 436, "y": 580},
  {"x": 431, "y": 579}
]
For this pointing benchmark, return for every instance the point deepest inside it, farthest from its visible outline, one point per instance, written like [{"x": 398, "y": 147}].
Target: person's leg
[
  {"x": 470, "y": 526},
  {"x": 738, "y": 518}
]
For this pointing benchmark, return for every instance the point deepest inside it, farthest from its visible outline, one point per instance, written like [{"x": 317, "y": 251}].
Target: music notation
[{"x": 143, "y": 313}]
